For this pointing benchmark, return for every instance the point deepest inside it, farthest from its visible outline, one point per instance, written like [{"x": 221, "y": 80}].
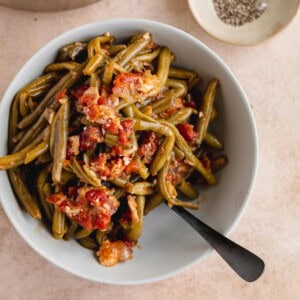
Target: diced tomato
[
  {"x": 127, "y": 125},
  {"x": 149, "y": 146},
  {"x": 78, "y": 92},
  {"x": 133, "y": 167},
  {"x": 126, "y": 82},
  {"x": 102, "y": 101},
  {"x": 176, "y": 105},
  {"x": 73, "y": 191},
  {"x": 111, "y": 127},
  {"x": 96, "y": 197},
  {"x": 90, "y": 136},
  {"x": 118, "y": 150},
  {"x": 60, "y": 94},
  {"x": 187, "y": 131},
  {"x": 123, "y": 138}
]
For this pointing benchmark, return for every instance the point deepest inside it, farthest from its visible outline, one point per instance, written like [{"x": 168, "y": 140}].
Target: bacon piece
[
  {"x": 110, "y": 253},
  {"x": 187, "y": 131},
  {"x": 90, "y": 136},
  {"x": 133, "y": 208},
  {"x": 149, "y": 146}
]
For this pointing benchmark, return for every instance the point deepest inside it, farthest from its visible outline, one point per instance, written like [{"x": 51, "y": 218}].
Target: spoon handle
[{"x": 246, "y": 264}]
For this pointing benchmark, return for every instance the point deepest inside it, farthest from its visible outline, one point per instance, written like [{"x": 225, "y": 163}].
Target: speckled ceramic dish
[
  {"x": 275, "y": 18},
  {"x": 168, "y": 244}
]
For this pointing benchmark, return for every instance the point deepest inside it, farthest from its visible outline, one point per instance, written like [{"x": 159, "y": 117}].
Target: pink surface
[{"x": 269, "y": 73}]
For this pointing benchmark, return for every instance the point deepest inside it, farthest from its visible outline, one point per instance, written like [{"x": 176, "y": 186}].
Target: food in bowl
[{"x": 104, "y": 136}]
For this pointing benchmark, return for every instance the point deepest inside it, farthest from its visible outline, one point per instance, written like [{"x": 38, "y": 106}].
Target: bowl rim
[
  {"x": 139, "y": 21},
  {"x": 206, "y": 29}
]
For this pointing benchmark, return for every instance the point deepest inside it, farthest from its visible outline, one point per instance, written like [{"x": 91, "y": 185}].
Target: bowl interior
[
  {"x": 277, "y": 15},
  {"x": 168, "y": 243}
]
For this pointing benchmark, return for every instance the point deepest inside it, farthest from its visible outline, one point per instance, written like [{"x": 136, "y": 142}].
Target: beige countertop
[{"x": 270, "y": 75}]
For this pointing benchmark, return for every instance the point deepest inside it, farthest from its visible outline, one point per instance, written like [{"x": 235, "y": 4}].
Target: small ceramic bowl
[
  {"x": 274, "y": 19},
  {"x": 169, "y": 244}
]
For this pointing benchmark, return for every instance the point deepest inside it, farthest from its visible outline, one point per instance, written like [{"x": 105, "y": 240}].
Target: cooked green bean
[
  {"x": 83, "y": 233},
  {"x": 93, "y": 64},
  {"x": 60, "y": 141},
  {"x": 178, "y": 84},
  {"x": 100, "y": 236},
  {"x": 156, "y": 127},
  {"x": 82, "y": 175},
  {"x": 180, "y": 116},
  {"x": 187, "y": 189},
  {"x": 178, "y": 153},
  {"x": 154, "y": 201},
  {"x": 139, "y": 188},
  {"x": 23, "y": 104},
  {"x": 36, "y": 152},
  {"x": 13, "y": 119},
  {"x": 191, "y": 76},
  {"x": 71, "y": 230},
  {"x": 167, "y": 101},
  {"x": 213, "y": 114},
  {"x": 164, "y": 61},
  {"x": 58, "y": 224},
  {"x": 111, "y": 140},
  {"x": 16, "y": 159},
  {"x": 41, "y": 180},
  {"x": 212, "y": 141},
  {"x": 88, "y": 243},
  {"x": 162, "y": 154},
  {"x": 133, "y": 49},
  {"x": 136, "y": 228},
  {"x": 206, "y": 109},
  {"x": 115, "y": 49},
  {"x": 119, "y": 182},
  {"x": 95, "y": 81},
  {"x": 128, "y": 111},
  {"x": 149, "y": 57},
  {"x": 143, "y": 170},
  {"x": 65, "y": 82},
  {"x": 108, "y": 74},
  {"x": 219, "y": 163},
  {"x": 56, "y": 67},
  {"x": 28, "y": 201}
]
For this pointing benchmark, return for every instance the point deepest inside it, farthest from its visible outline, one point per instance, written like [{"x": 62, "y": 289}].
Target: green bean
[
  {"x": 82, "y": 175},
  {"x": 108, "y": 74},
  {"x": 136, "y": 228},
  {"x": 71, "y": 51},
  {"x": 83, "y": 233},
  {"x": 100, "y": 40},
  {"x": 156, "y": 127},
  {"x": 133, "y": 49},
  {"x": 111, "y": 140},
  {"x": 16, "y": 159},
  {"x": 95, "y": 81},
  {"x": 71, "y": 230},
  {"x": 13, "y": 119},
  {"x": 162, "y": 154},
  {"x": 18, "y": 136},
  {"x": 219, "y": 163},
  {"x": 66, "y": 177},
  {"x": 190, "y": 157},
  {"x": 212, "y": 141},
  {"x": 142, "y": 188},
  {"x": 88, "y": 243},
  {"x": 62, "y": 66},
  {"x": 60, "y": 141},
  {"x": 41, "y": 180},
  {"x": 177, "y": 84},
  {"x": 205, "y": 110},
  {"x": 149, "y": 57},
  {"x": 126, "y": 100},
  {"x": 39, "y": 91},
  {"x": 119, "y": 182},
  {"x": 187, "y": 189},
  {"x": 100, "y": 236},
  {"x": 93, "y": 64},
  {"x": 180, "y": 116},
  {"x": 155, "y": 200},
  {"x": 27, "y": 200},
  {"x": 191, "y": 76},
  {"x": 115, "y": 49},
  {"x": 23, "y": 104},
  {"x": 128, "y": 112},
  {"x": 178, "y": 153},
  {"x": 164, "y": 61},
  {"x": 214, "y": 114},
  {"x": 143, "y": 170},
  {"x": 58, "y": 224},
  {"x": 36, "y": 152},
  {"x": 65, "y": 82}
]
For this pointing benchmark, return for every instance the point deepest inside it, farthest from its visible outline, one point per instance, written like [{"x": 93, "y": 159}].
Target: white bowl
[
  {"x": 169, "y": 245},
  {"x": 276, "y": 17}
]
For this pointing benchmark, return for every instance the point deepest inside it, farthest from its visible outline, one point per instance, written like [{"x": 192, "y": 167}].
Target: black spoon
[{"x": 246, "y": 264}]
